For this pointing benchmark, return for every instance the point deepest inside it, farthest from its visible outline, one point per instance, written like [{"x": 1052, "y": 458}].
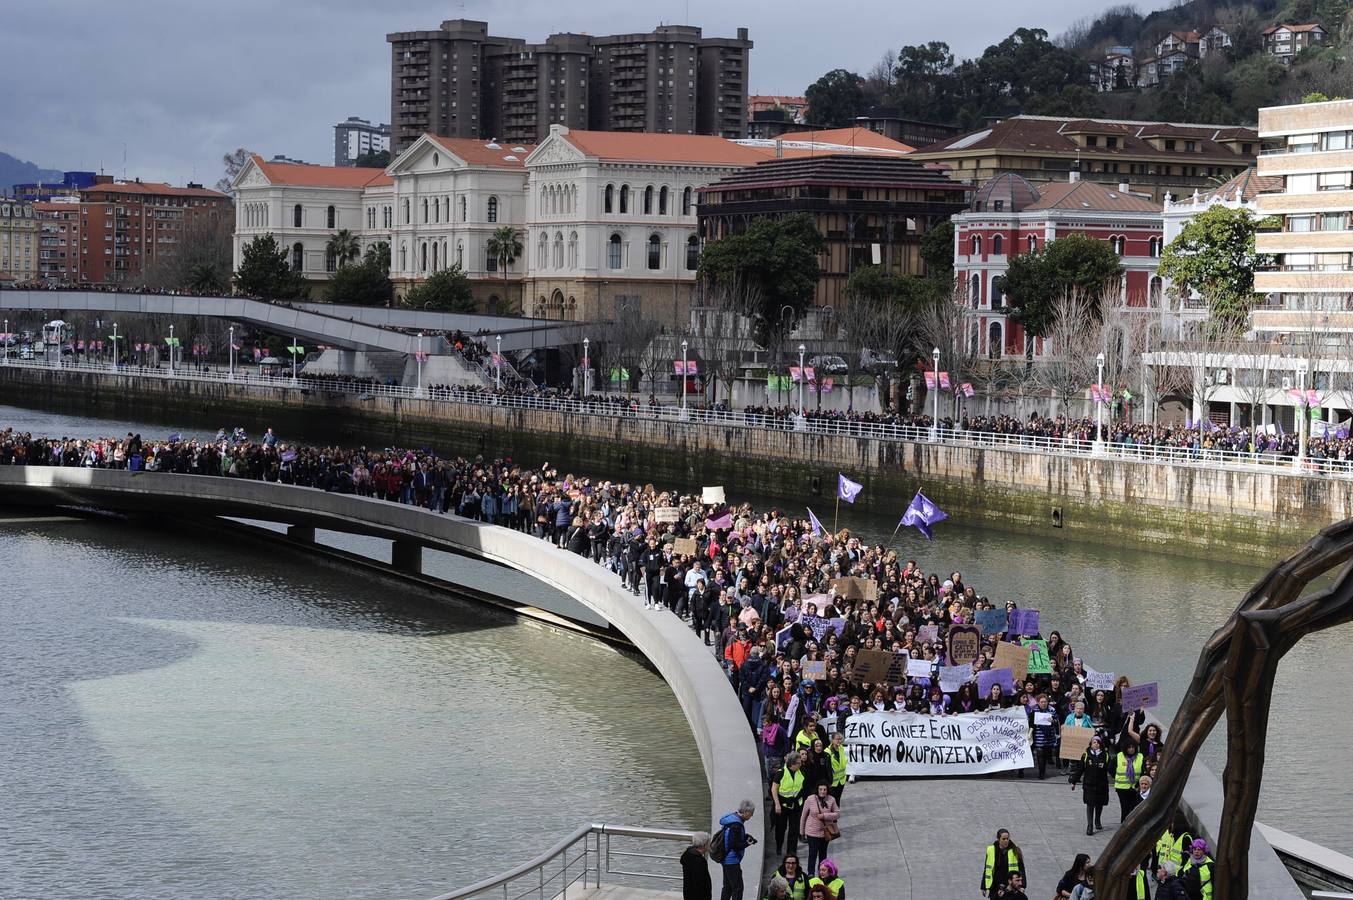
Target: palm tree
[
  {"x": 343, "y": 247},
  {"x": 505, "y": 246},
  {"x": 205, "y": 277},
  {"x": 378, "y": 255}
]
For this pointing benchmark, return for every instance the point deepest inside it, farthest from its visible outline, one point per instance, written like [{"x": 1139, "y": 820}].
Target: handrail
[
  {"x": 1159, "y": 454},
  {"x": 559, "y": 850}
]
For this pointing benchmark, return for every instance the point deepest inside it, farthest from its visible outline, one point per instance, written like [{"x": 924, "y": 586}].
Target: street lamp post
[
  {"x": 587, "y": 366},
  {"x": 6, "y": 342},
  {"x": 683, "y": 374},
  {"x": 115, "y": 346},
  {"x": 935, "y": 405},
  {"x": 294, "y": 354},
  {"x": 418, "y": 358},
  {"x": 1302, "y": 416},
  {"x": 802, "y": 378},
  {"x": 498, "y": 362},
  {"x": 171, "y": 349},
  {"x": 232, "y": 353},
  {"x": 1098, "y": 446}
]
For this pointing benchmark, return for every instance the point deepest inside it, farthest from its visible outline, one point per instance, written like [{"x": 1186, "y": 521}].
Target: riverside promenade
[{"x": 903, "y": 837}]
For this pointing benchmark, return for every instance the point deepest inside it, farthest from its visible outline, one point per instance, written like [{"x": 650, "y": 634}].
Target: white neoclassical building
[{"x": 611, "y": 220}]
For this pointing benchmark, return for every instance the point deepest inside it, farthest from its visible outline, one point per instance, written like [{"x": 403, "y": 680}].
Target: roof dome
[{"x": 1005, "y": 193}]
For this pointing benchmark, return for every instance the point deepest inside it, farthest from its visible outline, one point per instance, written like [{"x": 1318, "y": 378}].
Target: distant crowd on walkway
[{"x": 739, "y": 578}]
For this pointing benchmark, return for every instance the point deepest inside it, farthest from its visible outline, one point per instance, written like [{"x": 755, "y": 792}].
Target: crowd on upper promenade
[{"x": 760, "y": 588}]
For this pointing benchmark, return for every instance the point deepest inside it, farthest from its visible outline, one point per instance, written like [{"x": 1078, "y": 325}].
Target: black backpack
[{"x": 718, "y": 846}]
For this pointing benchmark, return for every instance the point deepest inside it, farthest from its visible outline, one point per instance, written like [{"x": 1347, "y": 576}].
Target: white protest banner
[
  {"x": 918, "y": 668},
  {"x": 900, "y": 744},
  {"x": 954, "y": 677},
  {"x": 666, "y": 514},
  {"x": 712, "y": 495},
  {"x": 1098, "y": 681}
]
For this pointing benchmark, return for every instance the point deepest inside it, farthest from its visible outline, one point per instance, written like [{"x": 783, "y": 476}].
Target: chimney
[
  {"x": 1074, "y": 175},
  {"x": 1123, "y": 187}
]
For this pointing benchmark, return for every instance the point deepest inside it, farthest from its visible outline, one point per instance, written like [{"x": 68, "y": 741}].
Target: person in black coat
[
  {"x": 1093, "y": 772},
  {"x": 695, "y": 880},
  {"x": 752, "y": 682}
]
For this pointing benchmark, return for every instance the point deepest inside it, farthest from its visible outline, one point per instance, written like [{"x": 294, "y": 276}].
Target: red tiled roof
[
  {"x": 678, "y": 148},
  {"x": 477, "y": 152},
  {"x": 1047, "y": 134},
  {"x": 1308, "y": 26},
  {"x": 1090, "y": 195},
  {"x": 1248, "y": 185},
  {"x": 298, "y": 175},
  {"x": 848, "y": 137},
  {"x": 151, "y": 188}
]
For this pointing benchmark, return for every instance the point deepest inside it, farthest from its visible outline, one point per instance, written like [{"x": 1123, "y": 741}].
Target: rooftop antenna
[{"x": 124, "y": 160}]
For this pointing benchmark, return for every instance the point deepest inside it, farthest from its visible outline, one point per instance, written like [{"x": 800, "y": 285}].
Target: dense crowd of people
[{"x": 756, "y": 587}]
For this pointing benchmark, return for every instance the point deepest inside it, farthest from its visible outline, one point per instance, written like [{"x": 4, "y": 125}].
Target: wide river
[{"x": 259, "y": 726}]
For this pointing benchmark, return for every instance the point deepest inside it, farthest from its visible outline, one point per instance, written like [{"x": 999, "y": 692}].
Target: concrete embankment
[{"x": 1192, "y": 509}]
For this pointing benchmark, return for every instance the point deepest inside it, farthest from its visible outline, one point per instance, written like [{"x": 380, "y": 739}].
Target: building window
[
  {"x": 464, "y": 209},
  {"x": 1033, "y": 244},
  {"x": 425, "y": 210},
  {"x": 1156, "y": 291},
  {"x": 493, "y": 209},
  {"x": 975, "y": 290},
  {"x": 692, "y": 253},
  {"x": 558, "y": 250},
  {"x": 330, "y": 261},
  {"x": 995, "y": 342},
  {"x": 423, "y": 257},
  {"x": 406, "y": 210},
  {"x": 541, "y": 250},
  {"x": 686, "y": 201},
  {"x": 491, "y": 263},
  {"x": 297, "y": 256},
  {"x": 1118, "y": 243},
  {"x": 996, "y": 245},
  {"x": 573, "y": 250},
  {"x": 460, "y": 254},
  {"x": 1155, "y": 246},
  {"x": 662, "y": 201},
  {"x": 613, "y": 252},
  {"x": 296, "y": 216},
  {"x": 654, "y": 252},
  {"x": 434, "y": 256},
  {"x": 624, "y": 199},
  {"x": 976, "y": 245},
  {"x": 403, "y": 258},
  {"x": 648, "y": 200},
  {"x": 609, "y": 203},
  {"x": 331, "y": 218}
]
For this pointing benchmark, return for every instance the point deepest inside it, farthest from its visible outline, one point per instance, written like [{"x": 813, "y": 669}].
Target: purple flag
[
  {"x": 724, "y": 522},
  {"x": 922, "y": 513},
  {"x": 817, "y": 526},
  {"x": 846, "y": 489}
]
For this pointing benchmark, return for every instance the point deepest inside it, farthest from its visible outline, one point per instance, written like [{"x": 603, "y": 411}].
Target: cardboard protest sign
[
  {"x": 919, "y": 668},
  {"x": 1140, "y": 696},
  {"x": 712, "y": 495},
  {"x": 1039, "y": 662},
  {"x": 954, "y": 677},
  {"x": 897, "y": 672},
  {"x": 666, "y": 514},
  {"x": 1098, "y": 681},
  {"x": 987, "y": 677},
  {"x": 1075, "y": 741},
  {"x": 1023, "y": 621},
  {"x": 991, "y": 621},
  {"x": 686, "y": 546},
  {"x": 815, "y": 669},
  {"x": 965, "y": 643},
  {"x": 852, "y": 588},
  {"x": 820, "y": 626},
  {"x": 872, "y": 666},
  {"x": 928, "y": 634},
  {"x": 1013, "y": 657}
]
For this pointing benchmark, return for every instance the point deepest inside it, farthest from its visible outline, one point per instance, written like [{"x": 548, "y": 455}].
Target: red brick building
[
  {"x": 125, "y": 226},
  {"x": 58, "y": 241},
  {"x": 1009, "y": 216}
]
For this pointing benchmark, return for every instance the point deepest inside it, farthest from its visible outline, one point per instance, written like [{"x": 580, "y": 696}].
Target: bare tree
[
  {"x": 624, "y": 340},
  {"x": 1070, "y": 346},
  {"x": 722, "y": 335},
  {"x": 948, "y": 326},
  {"x": 233, "y": 161}
]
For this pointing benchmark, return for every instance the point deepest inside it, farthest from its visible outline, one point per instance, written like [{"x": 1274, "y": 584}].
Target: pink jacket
[{"x": 810, "y": 820}]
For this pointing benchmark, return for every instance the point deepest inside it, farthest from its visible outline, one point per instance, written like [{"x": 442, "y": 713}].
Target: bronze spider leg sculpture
[{"x": 1235, "y": 667}]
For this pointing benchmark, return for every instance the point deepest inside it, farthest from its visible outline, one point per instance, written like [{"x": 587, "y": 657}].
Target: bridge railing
[{"x": 1162, "y": 454}]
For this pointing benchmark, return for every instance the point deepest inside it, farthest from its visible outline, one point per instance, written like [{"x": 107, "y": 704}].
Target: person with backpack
[{"x": 728, "y": 847}]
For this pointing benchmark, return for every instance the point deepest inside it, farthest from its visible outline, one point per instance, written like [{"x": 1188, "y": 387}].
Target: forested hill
[{"x": 1034, "y": 72}]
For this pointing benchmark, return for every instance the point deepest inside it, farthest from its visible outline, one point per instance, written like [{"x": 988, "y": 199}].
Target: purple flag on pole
[
  {"x": 817, "y": 526},
  {"x": 846, "y": 489},
  {"x": 724, "y": 522},
  {"x": 922, "y": 513}
]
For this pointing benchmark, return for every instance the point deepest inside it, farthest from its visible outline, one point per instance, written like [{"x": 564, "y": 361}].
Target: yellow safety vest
[
  {"x": 804, "y": 739},
  {"x": 835, "y": 885},
  {"x": 1163, "y": 845},
  {"x": 1141, "y": 886},
  {"x": 798, "y": 888},
  {"x": 1011, "y": 864},
  {"x": 838, "y": 766},
  {"x": 1120, "y": 779},
  {"x": 791, "y": 785},
  {"x": 1176, "y": 853},
  {"x": 1204, "y": 867}
]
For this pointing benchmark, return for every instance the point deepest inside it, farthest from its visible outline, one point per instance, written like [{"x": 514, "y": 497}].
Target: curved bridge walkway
[{"x": 910, "y": 839}]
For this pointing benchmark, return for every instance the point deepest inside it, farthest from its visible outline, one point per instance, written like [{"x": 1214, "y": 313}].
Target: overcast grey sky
[{"x": 178, "y": 83}]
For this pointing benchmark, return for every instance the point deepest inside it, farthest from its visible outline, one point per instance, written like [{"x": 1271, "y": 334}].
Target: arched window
[
  {"x": 613, "y": 252},
  {"x": 654, "y": 252},
  {"x": 493, "y": 209},
  {"x": 331, "y": 218},
  {"x": 436, "y": 210},
  {"x": 1155, "y": 246},
  {"x": 686, "y": 201},
  {"x": 662, "y": 201},
  {"x": 460, "y": 254},
  {"x": 1118, "y": 243},
  {"x": 976, "y": 245},
  {"x": 995, "y": 341},
  {"x": 1033, "y": 244},
  {"x": 297, "y": 256},
  {"x": 425, "y": 210},
  {"x": 558, "y": 250},
  {"x": 403, "y": 258},
  {"x": 464, "y": 208},
  {"x": 573, "y": 249},
  {"x": 624, "y": 199},
  {"x": 975, "y": 290},
  {"x": 608, "y": 203},
  {"x": 692, "y": 253},
  {"x": 434, "y": 256},
  {"x": 648, "y": 200},
  {"x": 541, "y": 250},
  {"x": 1156, "y": 292},
  {"x": 997, "y": 245},
  {"x": 423, "y": 257},
  {"x": 406, "y": 210},
  {"x": 296, "y": 217}
]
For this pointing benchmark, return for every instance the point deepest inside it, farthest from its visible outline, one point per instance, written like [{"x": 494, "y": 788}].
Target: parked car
[
  {"x": 829, "y": 364},
  {"x": 877, "y": 362}
]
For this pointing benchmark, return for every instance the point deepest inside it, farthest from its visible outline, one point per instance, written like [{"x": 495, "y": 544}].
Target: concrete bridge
[
  {"x": 348, "y": 327},
  {"x": 913, "y": 839}
]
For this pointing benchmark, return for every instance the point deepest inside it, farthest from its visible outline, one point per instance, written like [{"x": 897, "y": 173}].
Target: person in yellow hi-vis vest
[
  {"x": 1196, "y": 873},
  {"x": 837, "y": 755},
  {"x": 787, "y": 795},
  {"x": 1003, "y": 857}
]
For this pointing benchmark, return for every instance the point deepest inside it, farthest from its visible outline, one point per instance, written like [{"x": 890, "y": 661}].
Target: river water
[{"x": 1124, "y": 610}]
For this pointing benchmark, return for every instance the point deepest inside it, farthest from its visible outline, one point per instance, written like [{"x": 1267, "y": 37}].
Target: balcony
[
  {"x": 1324, "y": 201},
  {"x": 1287, "y": 163}
]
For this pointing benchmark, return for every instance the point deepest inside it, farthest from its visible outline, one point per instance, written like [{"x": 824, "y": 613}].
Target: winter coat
[
  {"x": 815, "y": 812},
  {"x": 1093, "y": 772}
]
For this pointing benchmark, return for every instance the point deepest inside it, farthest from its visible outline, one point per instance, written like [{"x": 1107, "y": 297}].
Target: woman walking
[
  {"x": 1093, "y": 772},
  {"x": 818, "y": 821}
]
